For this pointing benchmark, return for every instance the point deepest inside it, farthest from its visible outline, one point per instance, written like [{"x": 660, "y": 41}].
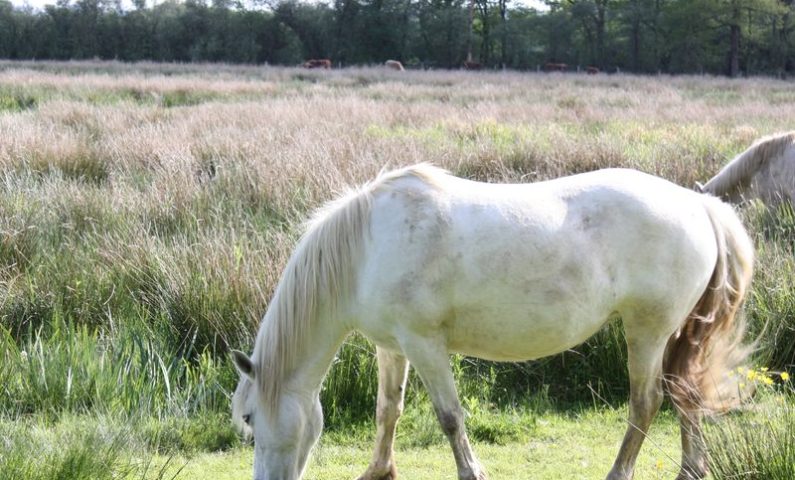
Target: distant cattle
[
  {"x": 555, "y": 67},
  {"x": 324, "y": 63},
  {"x": 394, "y": 65},
  {"x": 591, "y": 70},
  {"x": 765, "y": 171},
  {"x": 471, "y": 65}
]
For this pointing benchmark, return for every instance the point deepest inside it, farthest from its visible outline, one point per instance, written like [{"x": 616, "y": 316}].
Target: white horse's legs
[
  {"x": 432, "y": 363},
  {"x": 646, "y": 396},
  {"x": 393, "y": 371},
  {"x": 694, "y": 459}
]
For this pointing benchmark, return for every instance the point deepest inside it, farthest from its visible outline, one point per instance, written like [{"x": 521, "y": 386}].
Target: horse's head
[{"x": 283, "y": 433}]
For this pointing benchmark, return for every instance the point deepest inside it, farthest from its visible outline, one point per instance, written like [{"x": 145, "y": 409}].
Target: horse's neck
[{"x": 316, "y": 355}]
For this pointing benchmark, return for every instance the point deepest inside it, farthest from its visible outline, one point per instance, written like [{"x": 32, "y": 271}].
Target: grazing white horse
[
  {"x": 425, "y": 264},
  {"x": 766, "y": 170}
]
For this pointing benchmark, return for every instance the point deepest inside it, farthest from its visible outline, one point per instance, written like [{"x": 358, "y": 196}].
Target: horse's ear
[
  {"x": 243, "y": 364},
  {"x": 699, "y": 187}
]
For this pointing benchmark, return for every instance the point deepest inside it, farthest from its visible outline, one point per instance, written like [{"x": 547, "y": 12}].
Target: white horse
[
  {"x": 766, "y": 170},
  {"x": 425, "y": 264}
]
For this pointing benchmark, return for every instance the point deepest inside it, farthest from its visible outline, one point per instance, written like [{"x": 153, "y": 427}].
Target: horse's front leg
[
  {"x": 393, "y": 370},
  {"x": 432, "y": 363}
]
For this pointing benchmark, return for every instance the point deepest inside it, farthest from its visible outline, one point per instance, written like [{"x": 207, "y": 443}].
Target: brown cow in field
[
  {"x": 471, "y": 65},
  {"x": 555, "y": 67},
  {"x": 394, "y": 65},
  {"x": 591, "y": 70},
  {"x": 323, "y": 63}
]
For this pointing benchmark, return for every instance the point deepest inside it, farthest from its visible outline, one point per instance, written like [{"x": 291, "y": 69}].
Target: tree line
[{"x": 732, "y": 37}]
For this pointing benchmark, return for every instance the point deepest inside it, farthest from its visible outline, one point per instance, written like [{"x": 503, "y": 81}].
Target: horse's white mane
[
  {"x": 739, "y": 171},
  {"x": 320, "y": 271}
]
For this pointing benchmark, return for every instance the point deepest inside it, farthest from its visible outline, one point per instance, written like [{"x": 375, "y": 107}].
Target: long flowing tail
[{"x": 699, "y": 359}]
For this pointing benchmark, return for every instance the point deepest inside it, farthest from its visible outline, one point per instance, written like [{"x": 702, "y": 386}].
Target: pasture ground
[
  {"x": 577, "y": 446},
  {"x": 146, "y": 212}
]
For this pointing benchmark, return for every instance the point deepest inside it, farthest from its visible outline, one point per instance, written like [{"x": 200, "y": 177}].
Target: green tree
[
  {"x": 639, "y": 29},
  {"x": 383, "y": 29},
  {"x": 592, "y": 17},
  {"x": 8, "y": 29},
  {"x": 312, "y": 24},
  {"x": 444, "y": 31},
  {"x": 734, "y": 21}
]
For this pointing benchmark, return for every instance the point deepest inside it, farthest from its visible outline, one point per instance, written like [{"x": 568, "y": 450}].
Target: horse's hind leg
[
  {"x": 646, "y": 396},
  {"x": 392, "y": 373},
  {"x": 432, "y": 363},
  {"x": 694, "y": 459}
]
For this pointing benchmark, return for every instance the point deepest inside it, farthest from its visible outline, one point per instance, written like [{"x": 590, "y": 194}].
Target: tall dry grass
[{"x": 173, "y": 194}]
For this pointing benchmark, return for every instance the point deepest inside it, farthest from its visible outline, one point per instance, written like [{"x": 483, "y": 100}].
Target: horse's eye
[{"x": 247, "y": 419}]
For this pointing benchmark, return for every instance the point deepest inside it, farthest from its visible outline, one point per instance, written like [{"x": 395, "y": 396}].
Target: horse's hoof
[
  {"x": 693, "y": 472},
  {"x": 689, "y": 475},
  {"x": 379, "y": 474},
  {"x": 479, "y": 475},
  {"x": 618, "y": 475},
  {"x": 369, "y": 476}
]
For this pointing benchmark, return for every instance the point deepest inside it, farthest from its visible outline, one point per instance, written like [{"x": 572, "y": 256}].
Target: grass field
[
  {"x": 572, "y": 445},
  {"x": 146, "y": 212}
]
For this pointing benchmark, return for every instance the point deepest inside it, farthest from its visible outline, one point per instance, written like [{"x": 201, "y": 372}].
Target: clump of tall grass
[
  {"x": 129, "y": 371},
  {"x": 775, "y": 224},
  {"x": 758, "y": 444},
  {"x": 771, "y": 305},
  {"x": 76, "y": 449},
  {"x": 16, "y": 102}
]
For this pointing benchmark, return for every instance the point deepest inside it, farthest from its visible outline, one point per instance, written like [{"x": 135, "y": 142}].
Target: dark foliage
[{"x": 650, "y": 36}]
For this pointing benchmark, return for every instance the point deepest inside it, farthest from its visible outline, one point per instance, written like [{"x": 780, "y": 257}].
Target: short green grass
[{"x": 573, "y": 445}]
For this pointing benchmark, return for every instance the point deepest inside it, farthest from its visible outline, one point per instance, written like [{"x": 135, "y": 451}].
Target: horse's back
[{"x": 525, "y": 270}]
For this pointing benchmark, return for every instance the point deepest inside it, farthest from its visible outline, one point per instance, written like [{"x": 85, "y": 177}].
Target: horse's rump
[
  {"x": 394, "y": 65},
  {"x": 709, "y": 346}
]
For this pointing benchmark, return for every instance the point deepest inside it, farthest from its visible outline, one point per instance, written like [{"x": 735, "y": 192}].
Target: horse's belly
[{"x": 502, "y": 336}]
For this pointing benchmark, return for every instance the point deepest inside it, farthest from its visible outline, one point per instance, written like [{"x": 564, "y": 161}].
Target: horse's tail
[{"x": 700, "y": 357}]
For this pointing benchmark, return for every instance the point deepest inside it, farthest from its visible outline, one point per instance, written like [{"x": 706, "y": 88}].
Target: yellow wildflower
[
  {"x": 751, "y": 375},
  {"x": 763, "y": 369},
  {"x": 659, "y": 464},
  {"x": 767, "y": 380},
  {"x": 784, "y": 376}
]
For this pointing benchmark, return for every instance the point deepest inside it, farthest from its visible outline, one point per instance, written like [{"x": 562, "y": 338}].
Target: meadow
[{"x": 146, "y": 212}]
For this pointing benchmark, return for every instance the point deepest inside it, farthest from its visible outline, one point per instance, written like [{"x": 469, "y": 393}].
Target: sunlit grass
[
  {"x": 579, "y": 444},
  {"x": 76, "y": 448},
  {"x": 146, "y": 212},
  {"x": 760, "y": 442}
]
